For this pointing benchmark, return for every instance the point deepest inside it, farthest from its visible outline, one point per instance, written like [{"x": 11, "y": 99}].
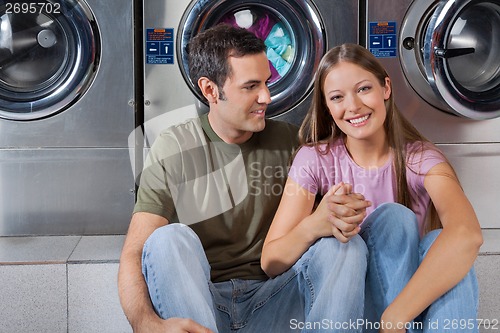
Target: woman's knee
[
  {"x": 428, "y": 240},
  {"x": 393, "y": 218},
  {"x": 391, "y": 228}
]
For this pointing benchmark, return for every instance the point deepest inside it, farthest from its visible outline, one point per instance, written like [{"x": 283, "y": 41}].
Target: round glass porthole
[
  {"x": 461, "y": 57},
  {"x": 292, "y": 31},
  {"x": 49, "y": 55}
]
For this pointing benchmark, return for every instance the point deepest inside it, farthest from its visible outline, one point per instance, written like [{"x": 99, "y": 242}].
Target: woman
[{"x": 366, "y": 159}]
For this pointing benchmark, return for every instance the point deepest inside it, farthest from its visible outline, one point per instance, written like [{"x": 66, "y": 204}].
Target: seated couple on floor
[{"x": 368, "y": 229}]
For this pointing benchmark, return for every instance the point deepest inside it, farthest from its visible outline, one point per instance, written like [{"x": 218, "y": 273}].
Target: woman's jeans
[
  {"x": 395, "y": 252},
  {"x": 322, "y": 292}
]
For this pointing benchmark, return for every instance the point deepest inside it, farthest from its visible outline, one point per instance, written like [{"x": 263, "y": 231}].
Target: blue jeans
[
  {"x": 322, "y": 292},
  {"x": 395, "y": 252}
]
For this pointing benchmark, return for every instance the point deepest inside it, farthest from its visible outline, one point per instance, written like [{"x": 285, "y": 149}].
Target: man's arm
[{"x": 132, "y": 288}]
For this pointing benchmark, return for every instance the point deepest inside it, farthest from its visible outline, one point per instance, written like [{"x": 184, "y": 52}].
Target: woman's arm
[
  {"x": 296, "y": 227},
  {"x": 451, "y": 256}
]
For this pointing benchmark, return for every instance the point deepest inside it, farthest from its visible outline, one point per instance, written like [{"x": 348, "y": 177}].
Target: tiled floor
[
  {"x": 60, "y": 284},
  {"x": 93, "y": 304},
  {"x": 34, "y": 298},
  {"x": 69, "y": 284},
  {"x": 37, "y": 250}
]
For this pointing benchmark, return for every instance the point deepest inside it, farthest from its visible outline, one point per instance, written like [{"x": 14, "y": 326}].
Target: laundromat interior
[{"x": 87, "y": 85}]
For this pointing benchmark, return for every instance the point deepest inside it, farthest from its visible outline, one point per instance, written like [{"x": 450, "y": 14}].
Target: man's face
[{"x": 245, "y": 97}]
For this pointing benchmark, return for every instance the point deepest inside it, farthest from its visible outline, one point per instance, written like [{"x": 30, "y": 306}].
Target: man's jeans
[
  {"x": 395, "y": 252},
  {"x": 322, "y": 292}
]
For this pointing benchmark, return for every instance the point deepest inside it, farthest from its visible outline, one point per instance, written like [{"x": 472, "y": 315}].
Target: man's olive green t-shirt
[{"x": 227, "y": 193}]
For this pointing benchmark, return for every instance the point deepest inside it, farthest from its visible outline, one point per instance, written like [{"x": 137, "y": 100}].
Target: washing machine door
[
  {"x": 292, "y": 30},
  {"x": 49, "y": 54},
  {"x": 462, "y": 56}
]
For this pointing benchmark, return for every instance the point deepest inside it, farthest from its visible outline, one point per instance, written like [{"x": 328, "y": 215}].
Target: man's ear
[{"x": 209, "y": 89}]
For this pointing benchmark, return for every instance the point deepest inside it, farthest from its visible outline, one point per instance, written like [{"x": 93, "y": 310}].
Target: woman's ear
[
  {"x": 209, "y": 89},
  {"x": 387, "y": 88}
]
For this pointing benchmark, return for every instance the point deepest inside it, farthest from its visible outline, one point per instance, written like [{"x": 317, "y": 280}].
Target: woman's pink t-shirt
[{"x": 317, "y": 173}]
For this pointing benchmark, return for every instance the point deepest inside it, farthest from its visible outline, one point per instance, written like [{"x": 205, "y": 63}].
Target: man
[{"x": 221, "y": 176}]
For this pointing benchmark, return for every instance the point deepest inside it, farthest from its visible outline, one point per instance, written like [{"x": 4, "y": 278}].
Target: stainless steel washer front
[
  {"x": 66, "y": 114},
  {"x": 448, "y": 92},
  {"x": 449, "y": 55}
]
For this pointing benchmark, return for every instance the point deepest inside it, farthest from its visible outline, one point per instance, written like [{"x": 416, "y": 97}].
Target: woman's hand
[
  {"x": 392, "y": 323},
  {"x": 297, "y": 225},
  {"x": 342, "y": 212}
]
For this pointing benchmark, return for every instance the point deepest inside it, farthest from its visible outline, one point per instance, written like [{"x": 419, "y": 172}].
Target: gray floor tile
[
  {"x": 37, "y": 250},
  {"x": 98, "y": 248},
  {"x": 93, "y": 303},
  {"x": 488, "y": 273},
  {"x": 491, "y": 241},
  {"x": 33, "y": 299}
]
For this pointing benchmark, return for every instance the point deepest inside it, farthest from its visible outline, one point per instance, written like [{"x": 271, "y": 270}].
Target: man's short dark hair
[{"x": 209, "y": 52}]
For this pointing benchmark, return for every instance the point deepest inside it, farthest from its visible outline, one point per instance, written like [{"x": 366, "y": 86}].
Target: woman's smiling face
[{"x": 356, "y": 100}]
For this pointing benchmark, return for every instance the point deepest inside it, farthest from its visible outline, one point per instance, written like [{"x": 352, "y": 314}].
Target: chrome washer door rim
[
  {"x": 71, "y": 77},
  {"x": 305, "y": 21},
  {"x": 464, "y": 101}
]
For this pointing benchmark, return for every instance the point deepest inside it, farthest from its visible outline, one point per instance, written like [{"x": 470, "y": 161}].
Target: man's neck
[{"x": 228, "y": 135}]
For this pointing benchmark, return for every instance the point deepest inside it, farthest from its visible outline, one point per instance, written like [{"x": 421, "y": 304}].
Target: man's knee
[
  {"x": 172, "y": 241},
  {"x": 174, "y": 246},
  {"x": 172, "y": 235}
]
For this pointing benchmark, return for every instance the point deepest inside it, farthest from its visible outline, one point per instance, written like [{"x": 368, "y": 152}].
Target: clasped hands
[{"x": 342, "y": 211}]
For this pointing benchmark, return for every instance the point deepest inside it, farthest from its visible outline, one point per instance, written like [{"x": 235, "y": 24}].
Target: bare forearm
[
  {"x": 280, "y": 254},
  {"x": 134, "y": 296},
  {"x": 136, "y": 304},
  {"x": 132, "y": 288},
  {"x": 296, "y": 227}
]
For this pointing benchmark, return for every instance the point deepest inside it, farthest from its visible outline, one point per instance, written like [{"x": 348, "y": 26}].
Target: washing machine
[
  {"x": 444, "y": 61},
  {"x": 302, "y": 29},
  {"x": 66, "y": 113}
]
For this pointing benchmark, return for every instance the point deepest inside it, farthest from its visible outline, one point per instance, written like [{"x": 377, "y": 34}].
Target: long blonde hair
[{"x": 319, "y": 127}]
